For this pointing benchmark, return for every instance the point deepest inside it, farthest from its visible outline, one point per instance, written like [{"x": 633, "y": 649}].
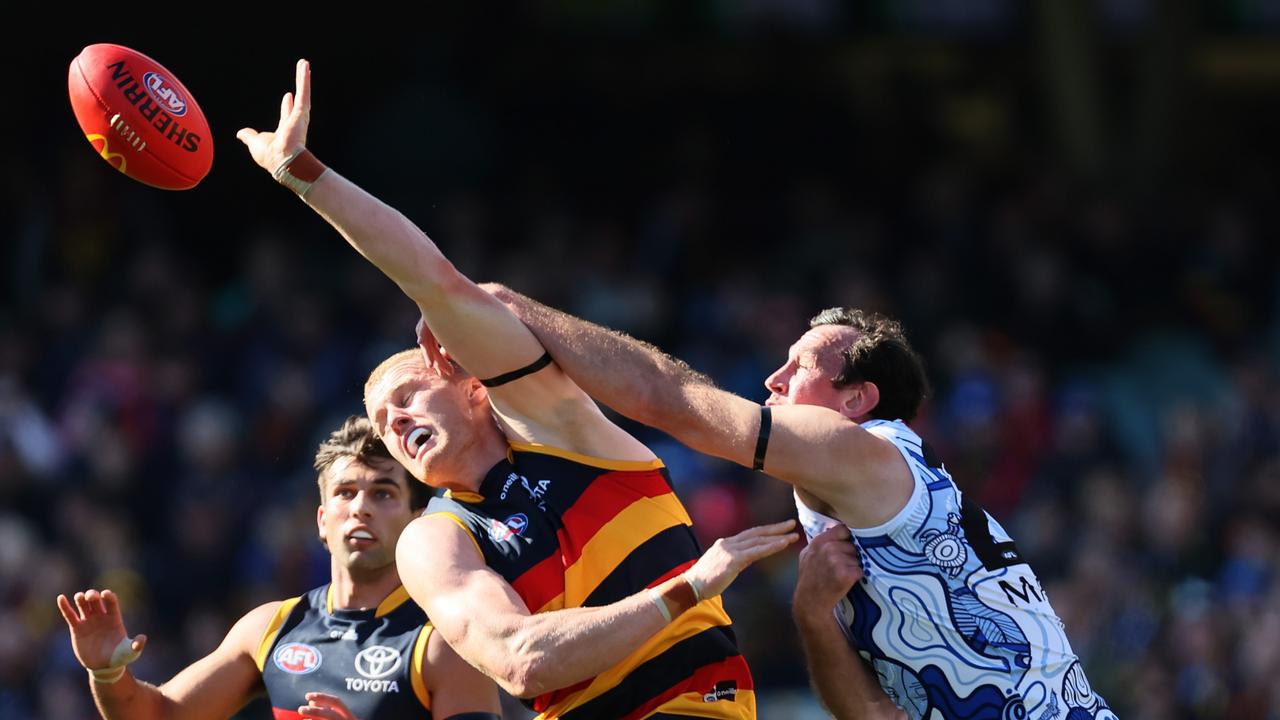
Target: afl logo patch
[
  {"x": 165, "y": 94},
  {"x": 297, "y": 658},
  {"x": 377, "y": 662}
]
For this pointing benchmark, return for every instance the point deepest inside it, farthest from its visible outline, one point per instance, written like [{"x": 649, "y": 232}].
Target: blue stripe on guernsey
[{"x": 954, "y": 623}]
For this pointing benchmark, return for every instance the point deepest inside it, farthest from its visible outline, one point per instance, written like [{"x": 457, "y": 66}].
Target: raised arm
[
  {"x": 822, "y": 452},
  {"x": 481, "y": 334},
  {"x": 486, "y": 622},
  {"x": 212, "y": 688}
]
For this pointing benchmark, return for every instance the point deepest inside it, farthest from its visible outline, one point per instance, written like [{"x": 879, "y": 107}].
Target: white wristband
[
  {"x": 662, "y": 605},
  {"x": 121, "y": 656},
  {"x": 693, "y": 584}
]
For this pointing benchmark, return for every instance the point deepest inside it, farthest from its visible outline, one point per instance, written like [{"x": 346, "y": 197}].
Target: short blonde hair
[{"x": 413, "y": 355}]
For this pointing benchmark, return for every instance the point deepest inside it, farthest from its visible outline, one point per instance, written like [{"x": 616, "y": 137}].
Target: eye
[
  {"x": 384, "y": 495},
  {"x": 346, "y": 493}
]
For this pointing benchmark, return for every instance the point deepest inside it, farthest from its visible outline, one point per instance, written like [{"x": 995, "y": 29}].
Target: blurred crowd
[{"x": 1106, "y": 364}]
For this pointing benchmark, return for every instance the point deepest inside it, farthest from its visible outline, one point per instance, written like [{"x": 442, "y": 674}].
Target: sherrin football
[{"x": 139, "y": 117}]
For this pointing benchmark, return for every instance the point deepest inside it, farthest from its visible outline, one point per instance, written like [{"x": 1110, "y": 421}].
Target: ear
[
  {"x": 864, "y": 398},
  {"x": 477, "y": 394},
  {"x": 320, "y": 524}
]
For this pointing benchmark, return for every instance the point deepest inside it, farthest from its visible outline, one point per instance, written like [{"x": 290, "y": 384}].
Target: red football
[{"x": 139, "y": 117}]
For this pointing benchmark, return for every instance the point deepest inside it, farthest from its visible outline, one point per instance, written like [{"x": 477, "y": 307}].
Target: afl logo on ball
[
  {"x": 378, "y": 661},
  {"x": 297, "y": 658},
  {"x": 164, "y": 93}
]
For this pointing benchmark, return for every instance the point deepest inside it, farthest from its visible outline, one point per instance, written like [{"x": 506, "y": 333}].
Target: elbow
[
  {"x": 499, "y": 291},
  {"x": 526, "y": 671}
]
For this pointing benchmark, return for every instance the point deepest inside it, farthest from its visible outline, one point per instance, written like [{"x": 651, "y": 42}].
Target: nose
[
  {"x": 777, "y": 382},
  {"x": 357, "y": 506},
  {"x": 399, "y": 420}
]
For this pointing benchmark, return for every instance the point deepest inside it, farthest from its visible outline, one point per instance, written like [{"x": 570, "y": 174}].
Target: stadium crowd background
[{"x": 1072, "y": 206}]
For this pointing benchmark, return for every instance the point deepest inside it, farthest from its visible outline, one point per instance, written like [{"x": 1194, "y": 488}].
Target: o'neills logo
[
  {"x": 724, "y": 690},
  {"x": 164, "y": 92},
  {"x": 155, "y": 98}
]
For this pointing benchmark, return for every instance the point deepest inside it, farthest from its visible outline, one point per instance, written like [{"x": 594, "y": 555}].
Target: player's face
[
  {"x": 366, "y": 507},
  {"x": 423, "y": 419},
  {"x": 812, "y": 363}
]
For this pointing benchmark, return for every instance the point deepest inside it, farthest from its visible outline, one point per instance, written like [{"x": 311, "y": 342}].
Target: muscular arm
[
  {"x": 480, "y": 333},
  {"x": 487, "y": 623},
  {"x": 456, "y": 687},
  {"x": 846, "y": 685},
  {"x": 212, "y": 688},
  {"x": 861, "y": 477}
]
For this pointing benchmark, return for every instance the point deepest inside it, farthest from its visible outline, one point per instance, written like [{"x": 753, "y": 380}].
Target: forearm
[
  {"x": 635, "y": 378},
  {"x": 845, "y": 684},
  {"x": 130, "y": 699},
  {"x": 560, "y": 648},
  {"x": 384, "y": 236}
]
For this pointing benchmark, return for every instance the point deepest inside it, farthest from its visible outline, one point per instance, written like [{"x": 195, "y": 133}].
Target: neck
[
  {"x": 360, "y": 590},
  {"x": 487, "y": 449}
]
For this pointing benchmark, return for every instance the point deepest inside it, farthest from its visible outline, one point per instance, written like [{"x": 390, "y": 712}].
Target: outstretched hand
[
  {"x": 720, "y": 565},
  {"x": 272, "y": 149},
  {"x": 97, "y": 628}
]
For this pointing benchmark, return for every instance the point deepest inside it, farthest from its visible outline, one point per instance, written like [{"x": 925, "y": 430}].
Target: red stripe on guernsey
[
  {"x": 542, "y": 702},
  {"x": 280, "y": 714},
  {"x": 702, "y": 680},
  {"x": 538, "y": 585},
  {"x": 674, "y": 572},
  {"x": 609, "y": 495}
]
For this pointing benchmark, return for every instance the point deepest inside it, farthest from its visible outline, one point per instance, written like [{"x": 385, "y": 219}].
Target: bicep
[
  {"x": 219, "y": 684},
  {"x": 455, "y": 686},
  {"x": 862, "y": 477},
  {"x": 473, "y": 607}
]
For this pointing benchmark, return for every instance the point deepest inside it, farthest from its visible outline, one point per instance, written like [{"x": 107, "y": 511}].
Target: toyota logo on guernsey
[
  {"x": 297, "y": 658},
  {"x": 375, "y": 664},
  {"x": 378, "y": 661},
  {"x": 164, "y": 93}
]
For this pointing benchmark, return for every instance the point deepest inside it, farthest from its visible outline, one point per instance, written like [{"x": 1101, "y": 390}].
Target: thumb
[
  {"x": 246, "y": 135},
  {"x": 140, "y": 644}
]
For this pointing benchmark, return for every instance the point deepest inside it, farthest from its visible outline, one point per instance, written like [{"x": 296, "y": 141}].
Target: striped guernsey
[{"x": 566, "y": 531}]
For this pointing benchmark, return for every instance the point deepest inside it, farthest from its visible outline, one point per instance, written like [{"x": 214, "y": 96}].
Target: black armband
[
  {"x": 762, "y": 440},
  {"x": 505, "y": 378}
]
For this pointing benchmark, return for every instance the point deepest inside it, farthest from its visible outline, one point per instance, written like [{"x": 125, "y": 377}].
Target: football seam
[{"x": 85, "y": 81}]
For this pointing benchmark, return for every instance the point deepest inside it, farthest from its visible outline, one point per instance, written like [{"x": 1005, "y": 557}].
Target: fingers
[
  {"x": 326, "y": 706},
  {"x": 139, "y": 644},
  {"x": 302, "y": 81},
  {"x": 68, "y": 612},
  {"x": 763, "y": 530},
  {"x": 110, "y": 602},
  {"x": 245, "y": 135},
  {"x": 286, "y": 108}
]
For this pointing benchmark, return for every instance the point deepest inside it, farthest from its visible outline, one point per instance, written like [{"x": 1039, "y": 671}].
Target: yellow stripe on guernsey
[
  {"x": 465, "y": 530},
  {"x": 597, "y": 462},
  {"x": 417, "y": 669},
  {"x": 273, "y": 629},
  {"x": 620, "y": 537},
  {"x": 709, "y": 613},
  {"x": 694, "y": 705},
  {"x": 388, "y": 604}
]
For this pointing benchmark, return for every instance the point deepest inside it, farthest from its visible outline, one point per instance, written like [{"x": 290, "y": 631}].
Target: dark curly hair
[{"x": 882, "y": 355}]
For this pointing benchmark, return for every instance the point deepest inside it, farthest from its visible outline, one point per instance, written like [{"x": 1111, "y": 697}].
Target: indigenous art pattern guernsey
[
  {"x": 952, "y": 619},
  {"x": 569, "y": 531},
  {"x": 372, "y": 659}
]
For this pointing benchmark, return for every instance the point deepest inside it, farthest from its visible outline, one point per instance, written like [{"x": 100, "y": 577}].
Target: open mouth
[
  {"x": 417, "y": 440},
  {"x": 361, "y": 536}
]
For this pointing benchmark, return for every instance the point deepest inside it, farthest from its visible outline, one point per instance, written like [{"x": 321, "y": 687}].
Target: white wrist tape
[
  {"x": 693, "y": 584},
  {"x": 120, "y": 659},
  {"x": 662, "y": 605}
]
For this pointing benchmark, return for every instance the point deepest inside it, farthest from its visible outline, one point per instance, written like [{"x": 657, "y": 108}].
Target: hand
[
  {"x": 829, "y": 568},
  {"x": 96, "y": 627},
  {"x": 271, "y": 149},
  {"x": 718, "y": 567},
  {"x": 325, "y": 706},
  {"x": 433, "y": 353}
]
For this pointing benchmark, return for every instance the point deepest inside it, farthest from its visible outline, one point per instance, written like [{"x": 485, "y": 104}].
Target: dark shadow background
[{"x": 1071, "y": 206}]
